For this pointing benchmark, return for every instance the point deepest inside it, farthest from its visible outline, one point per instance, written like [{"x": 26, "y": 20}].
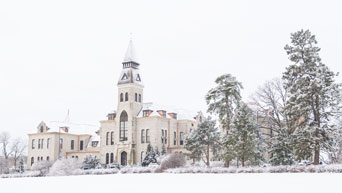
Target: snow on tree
[
  {"x": 224, "y": 98},
  {"x": 17, "y": 148},
  {"x": 313, "y": 96},
  {"x": 65, "y": 167},
  {"x": 42, "y": 166},
  {"x": 270, "y": 101},
  {"x": 163, "y": 151},
  {"x": 202, "y": 140},
  {"x": 151, "y": 156},
  {"x": 243, "y": 140}
]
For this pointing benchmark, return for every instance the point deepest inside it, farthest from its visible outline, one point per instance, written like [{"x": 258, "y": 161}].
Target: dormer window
[
  {"x": 162, "y": 113},
  {"x": 146, "y": 113},
  {"x": 173, "y": 115},
  {"x": 41, "y": 129},
  {"x": 111, "y": 116}
]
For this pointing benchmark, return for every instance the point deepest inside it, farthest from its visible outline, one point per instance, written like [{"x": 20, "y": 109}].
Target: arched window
[
  {"x": 181, "y": 140},
  {"x": 112, "y": 138},
  {"x": 142, "y": 156},
  {"x": 143, "y": 136},
  {"x": 41, "y": 129},
  {"x": 123, "y": 126},
  {"x": 32, "y": 161},
  {"x": 139, "y": 98},
  {"x": 42, "y": 144},
  {"x": 111, "y": 157},
  {"x": 47, "y": 158},
  {"x": 38, "y": 143},
  {"x": 38, "y": 159},
  {"x": 147, "y": 136},
  {"x": 33, "y": 143},
  {"x": 136, "y": 97},
  {"x": 126, "y": 96},
  {"x": 107, "y": 158},
  {"x": 107, "y": 136},
  {"x": 61, "y": 143},
  {"x": 121, "y": 97},
  {"x": 48, "y": 143},
  {"x": 41, "y": 158}
]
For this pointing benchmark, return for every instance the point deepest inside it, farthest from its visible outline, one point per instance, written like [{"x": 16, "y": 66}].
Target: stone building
[{"x": 124, "y": 136}]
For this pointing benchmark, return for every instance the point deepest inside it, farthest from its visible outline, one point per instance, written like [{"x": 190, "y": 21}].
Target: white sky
[{"x": 67, "y": 54}]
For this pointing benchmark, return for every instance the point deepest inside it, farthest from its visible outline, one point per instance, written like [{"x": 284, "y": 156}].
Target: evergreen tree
[
  {"x": 224, "y": 98},
  {"x": 203, "y": 139},
  {"x": 243, "y": 140},
  {"x": 281, "y": 150},
  {"x": 313, "y": 98},
  {"x": 151, "y": 156}
]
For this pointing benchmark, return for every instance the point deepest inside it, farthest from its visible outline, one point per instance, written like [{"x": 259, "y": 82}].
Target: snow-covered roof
[
  {"x": 130, "y": 55},
  {"x": 94, "y": 138},
  {"x": 182, "y": 114},
  {"x": 73, "y": 128}
]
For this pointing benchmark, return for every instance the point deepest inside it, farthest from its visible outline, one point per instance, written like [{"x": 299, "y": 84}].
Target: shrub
[
  {"x": 173, "y": 160},
  {"x": 42, "y": 166},
  {"x": 65, "y": 167}
]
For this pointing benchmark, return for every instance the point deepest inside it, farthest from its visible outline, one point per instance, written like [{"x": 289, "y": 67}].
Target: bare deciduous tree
[
  {"x": 17, "y": 148},
  {"x": 4, "y": 142}
]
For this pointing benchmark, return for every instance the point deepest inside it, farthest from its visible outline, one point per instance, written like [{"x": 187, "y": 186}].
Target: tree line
[{"x": 299, "y": 113}]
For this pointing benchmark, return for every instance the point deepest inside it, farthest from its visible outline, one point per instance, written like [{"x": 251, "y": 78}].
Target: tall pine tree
[{"x": 314, "y": 95}]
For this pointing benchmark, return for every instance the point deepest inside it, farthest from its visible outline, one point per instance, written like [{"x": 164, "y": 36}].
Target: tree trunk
[
  {"x": 208, "y": 164},
  {"x": 243, "y": 161}
]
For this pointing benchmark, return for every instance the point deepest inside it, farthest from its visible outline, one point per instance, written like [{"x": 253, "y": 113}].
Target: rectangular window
[
  {"x": 123, "y": 130},
  {"x": 162, "y": 138},
  {"x": 181, "y": 141},
  {"x": 33, "y": 143},
  {"x": 139, "y": 98},
  {"x": 143, "y": 136},
  {"x": 42, "y": 144},
  {"x": 48, "y": 143},
  {"x": 72, "y": 144},
  {"x": 165, "y": 137},
  {"x": 61, "y": 143},
  {"x": 136, "y": 97},
  {"x": 147, "y": 136},
  {"x": 81, "y": 145},
  {"x": 38, "y": 143},
  {"x": 174, "y": 138}
]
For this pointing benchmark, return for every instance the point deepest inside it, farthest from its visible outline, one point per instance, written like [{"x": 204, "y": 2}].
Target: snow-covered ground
[{"x": 179, "y": 183}]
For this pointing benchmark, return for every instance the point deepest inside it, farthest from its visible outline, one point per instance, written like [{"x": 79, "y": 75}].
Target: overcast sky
[{"x": 67, "y": 54}]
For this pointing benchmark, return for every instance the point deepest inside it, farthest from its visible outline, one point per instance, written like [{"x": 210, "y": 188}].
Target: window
[
  {"x": 48, "y": 143},
  {"x": 41, "y": 158},
  {"x": 139, "y": 98},
  {"x": 107, "y": 136},
  {"x": 174, "y": 138},
  {"x": 136, "y": 97},
  {"x": 72, "y": 144},
  {"x": 32, "y": 161},
  {"x": 76, "y": 157},
  {"x": 94, "y": 143},
  {"x": 143, "y": 136},
  {"x": 112, "y": 138},
  {"x": 111, "y": 157},
  {"x": 142, "y": 156},
  {"x": 123, "y": 126},
  {"x": 107, "y": 158},
  {"x": 38, "y": 143},
  {"x": 121, "y": 97},
  {"x": 42, "y": 144},
  {"x": 126, "y": 96},
  {"x": 162, "y": 138},
  {"x": 47, "y": 158},
  {"x": 38, "y": 159},
  {"x": 165, "y": 137},
  {"x": 181, "y": 138},
  {"x": 81, "y": 145},
  {"x": 61, "y": 143},
  {"x": 33, "y": 143},
  {"x": 41, "y": 129},
  {"x": 147, "y": 136}
]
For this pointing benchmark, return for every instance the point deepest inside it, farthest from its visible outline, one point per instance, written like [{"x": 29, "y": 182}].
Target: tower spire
[{"x": 130, "y": 55}]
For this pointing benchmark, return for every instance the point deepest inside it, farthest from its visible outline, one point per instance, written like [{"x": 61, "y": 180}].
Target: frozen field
[{"x": 178, "y": 183}]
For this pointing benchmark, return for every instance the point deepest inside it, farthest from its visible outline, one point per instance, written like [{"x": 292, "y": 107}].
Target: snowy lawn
[{"x": 178, "y": 183}]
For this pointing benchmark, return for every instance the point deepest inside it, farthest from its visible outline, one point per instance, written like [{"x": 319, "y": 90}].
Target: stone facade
[{"x": 122, "y": 138}]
